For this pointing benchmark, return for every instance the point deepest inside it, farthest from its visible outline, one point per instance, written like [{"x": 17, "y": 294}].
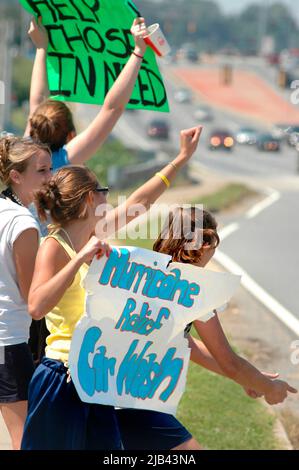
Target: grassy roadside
[
  {"x": 217, "y": 411},
  {"x": 220, "y": 416},
  {"x": 226, "y": 197}
]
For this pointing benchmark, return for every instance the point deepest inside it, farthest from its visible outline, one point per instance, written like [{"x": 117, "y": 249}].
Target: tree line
[{"x": 203, "y": 23}]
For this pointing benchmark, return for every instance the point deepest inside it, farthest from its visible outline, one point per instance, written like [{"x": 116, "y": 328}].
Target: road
[{"x": 264, "y": 246}]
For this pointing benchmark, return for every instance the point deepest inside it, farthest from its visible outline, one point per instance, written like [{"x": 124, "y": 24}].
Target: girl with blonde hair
[{"x": 24, "y": 167}]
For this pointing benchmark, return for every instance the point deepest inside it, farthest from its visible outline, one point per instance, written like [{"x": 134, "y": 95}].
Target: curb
[{"x": 280, "y": 432}]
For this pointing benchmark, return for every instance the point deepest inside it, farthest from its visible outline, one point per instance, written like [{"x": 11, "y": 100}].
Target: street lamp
[{"x": 263, "y": 23}]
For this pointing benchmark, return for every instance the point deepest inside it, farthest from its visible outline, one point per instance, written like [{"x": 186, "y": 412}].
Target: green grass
[
  {"x": 19, "y": 119},
  {"x": 220, "y": 416},
  {"x": 226, "y": 197},
  {"x": 217, "y": 411}
]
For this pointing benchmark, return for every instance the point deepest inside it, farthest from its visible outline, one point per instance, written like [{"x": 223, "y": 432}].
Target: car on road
[
  {"x": 221, "y": 139},
  {"x": 192, "y": 55},
  {"x": 183, "y": 95},
  {"x": 246, "y": 135},
  {"x": 203, "y": 114},
  {"x": 293, "y": 136},
  {"x": 268, "y": 143},
  {"x": 158, "y": 129},
  {"x": 282, "y": 130}
]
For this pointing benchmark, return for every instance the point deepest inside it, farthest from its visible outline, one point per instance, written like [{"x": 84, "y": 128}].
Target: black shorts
[
  {"x": 150, "y": 430},
  {"x": 15, "y": 372}
]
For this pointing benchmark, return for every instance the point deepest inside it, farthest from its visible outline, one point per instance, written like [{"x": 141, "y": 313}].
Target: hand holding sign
[
  {"x": 139, "y": 32},
  {"x": 94, "y": 247},
  {"x": 38, "y": 34},
  {"x": 89, "y": 46}
]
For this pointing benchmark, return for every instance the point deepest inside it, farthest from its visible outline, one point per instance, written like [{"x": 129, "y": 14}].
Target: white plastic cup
[{"x": 156, "y": 40}]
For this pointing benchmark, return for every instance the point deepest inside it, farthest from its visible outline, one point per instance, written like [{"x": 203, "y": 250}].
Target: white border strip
[
  {"x": 228, "y": 230},
  {"x": 284, "y": 315},
  {"x": 260, "y": 206}
]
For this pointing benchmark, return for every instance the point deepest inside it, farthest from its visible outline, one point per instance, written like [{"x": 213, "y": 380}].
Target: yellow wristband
[{"x": 164, "y": 179}]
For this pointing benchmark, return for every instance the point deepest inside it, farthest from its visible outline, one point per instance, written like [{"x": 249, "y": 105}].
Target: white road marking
[
  {"x": 227, "y": 231},
  {"x": 261, "y": 206},
  {"x": 284, "y": 315}
]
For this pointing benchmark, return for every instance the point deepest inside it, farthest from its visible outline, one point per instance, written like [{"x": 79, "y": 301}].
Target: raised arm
[
  {"x": 140, "y": 201},
  {"x": 237, "y": 368},
  {"x": 84, "y": 145},
  {"x": 39, "y": 81}
]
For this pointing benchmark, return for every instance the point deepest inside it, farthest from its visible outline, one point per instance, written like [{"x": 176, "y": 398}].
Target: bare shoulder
[{"x": 52, "y": 254}]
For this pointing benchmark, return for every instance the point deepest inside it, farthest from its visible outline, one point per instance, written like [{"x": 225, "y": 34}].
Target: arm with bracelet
[{"x": 149, "y": 192}]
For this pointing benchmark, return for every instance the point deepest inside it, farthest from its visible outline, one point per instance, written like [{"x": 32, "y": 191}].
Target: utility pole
[
  {"x": 6, "y": 31},
  {"x": 263, "y": 23},
  {"x": 3, "y": 52}
]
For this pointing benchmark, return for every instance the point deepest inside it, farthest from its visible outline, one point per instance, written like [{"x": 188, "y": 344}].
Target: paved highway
[{"x": 264, "y": 246}]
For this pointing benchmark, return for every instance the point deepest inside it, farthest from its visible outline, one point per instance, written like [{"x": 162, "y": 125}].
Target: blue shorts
[
  {"x": 15, "y": 373},
  {"x": 57, "y": 418},
  {"x": 150, "y": 430}
]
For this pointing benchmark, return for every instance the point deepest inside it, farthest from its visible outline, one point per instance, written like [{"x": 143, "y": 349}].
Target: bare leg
[
  {"x": 192, "y": 444},
  {"x": 14, "y": 415}
]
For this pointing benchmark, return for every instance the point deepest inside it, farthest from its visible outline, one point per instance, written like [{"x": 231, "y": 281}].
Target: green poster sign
[{"x": 89, "y": 44}]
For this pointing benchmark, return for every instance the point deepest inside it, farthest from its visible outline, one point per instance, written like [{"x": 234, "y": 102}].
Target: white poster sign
[{"x": 129, "y": 349}]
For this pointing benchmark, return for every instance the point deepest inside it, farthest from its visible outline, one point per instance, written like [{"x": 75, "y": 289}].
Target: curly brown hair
[{"x": 183, "y": 226}]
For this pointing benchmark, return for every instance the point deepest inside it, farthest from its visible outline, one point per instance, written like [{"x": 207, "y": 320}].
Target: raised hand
[
  {"x": 139, "y": 31},
  {"x": 38, "y": 34},
  {"x": 189, "y": 143}
]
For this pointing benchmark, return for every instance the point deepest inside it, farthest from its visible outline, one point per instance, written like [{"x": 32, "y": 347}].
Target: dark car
[
  {"x": 158, "y": 129},
  {"x": 192, "y": 55},
  {"x": 268, "y": 143},
  {"x": 221, "y": 139}
]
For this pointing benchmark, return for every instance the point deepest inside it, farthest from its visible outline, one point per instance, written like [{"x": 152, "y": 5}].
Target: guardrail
[{"x": 124, "y": 177}]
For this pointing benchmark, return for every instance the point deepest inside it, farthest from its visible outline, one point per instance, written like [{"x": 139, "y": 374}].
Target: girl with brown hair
[
  {"x": 51, "y": 122},
  {"x": 24, "y": 167},
  {"x": 151, "y": 430},
  {"x": 57, "y": 419}
]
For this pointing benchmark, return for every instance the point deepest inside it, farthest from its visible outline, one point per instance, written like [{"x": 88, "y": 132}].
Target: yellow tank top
[{"x": 61, "y": 321}]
